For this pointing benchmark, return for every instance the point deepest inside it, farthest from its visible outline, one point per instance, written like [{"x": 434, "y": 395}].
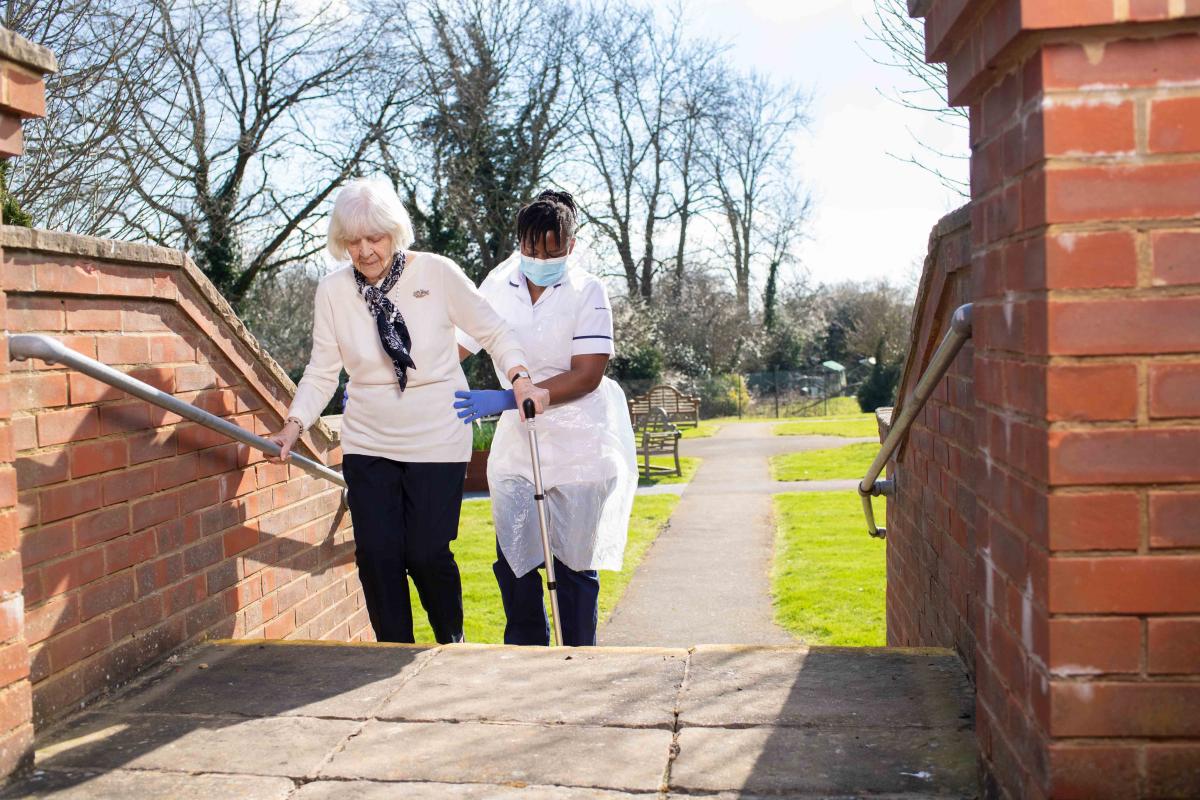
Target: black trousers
[
  {"x": 525, "y": 610},
  {"x": 405, "y": 515}
]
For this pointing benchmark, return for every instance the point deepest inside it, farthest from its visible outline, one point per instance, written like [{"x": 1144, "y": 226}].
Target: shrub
[
  {"x": 482, "y": 433},
  {"x": 879, "y": 389},
  {"x": 722, "y": 395},
  {"x": 643, "y": 363}
]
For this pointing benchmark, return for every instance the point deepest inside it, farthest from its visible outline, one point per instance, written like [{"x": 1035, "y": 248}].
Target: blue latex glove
[{"x": 483, "y": 403}]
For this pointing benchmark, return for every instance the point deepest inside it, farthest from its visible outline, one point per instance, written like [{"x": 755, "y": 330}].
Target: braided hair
[{"x": 550, "y": 212}]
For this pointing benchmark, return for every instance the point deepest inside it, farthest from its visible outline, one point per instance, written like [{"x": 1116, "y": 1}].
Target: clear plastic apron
[{"x": 589, "y": 473}]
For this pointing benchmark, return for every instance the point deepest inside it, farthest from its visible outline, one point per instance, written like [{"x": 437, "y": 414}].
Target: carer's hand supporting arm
[
  {"x": 478, "y": 403},
  {"x": 584, "y": 376}
]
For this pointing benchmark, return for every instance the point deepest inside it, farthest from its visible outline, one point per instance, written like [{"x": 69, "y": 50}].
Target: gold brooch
[{"x": 420, "y": 293}]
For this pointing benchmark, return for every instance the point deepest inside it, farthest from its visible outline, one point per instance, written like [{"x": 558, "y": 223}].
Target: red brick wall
[
  {"x": 16, "y": 729},
  {"x": 139, "y": 531},
  {"x": 22, "y": 95},
  {"x": 22, "y": 88},
  {"x": 1122, "y": 462},
  {"x": 1013, "y": 379},
  {"x": 931, "y": 539},
  {"x": 1086, "y": 190}
]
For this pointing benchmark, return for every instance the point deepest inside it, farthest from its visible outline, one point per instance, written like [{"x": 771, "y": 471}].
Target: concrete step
[{"x": 313, "y": 720}]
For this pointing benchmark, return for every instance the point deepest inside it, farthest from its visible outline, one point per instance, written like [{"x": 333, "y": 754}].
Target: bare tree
[
  {"x": 902, "y": 39},
  {"x": 68, "y": 179},
  {"x": 784, "y": 227},
  {"x": 252, "y": 126},
  {"x": 495, "y": 105},
  {"x": 703, "y": 92},
  {"x": 631, "y": 74},
  {"x": 747, "y": 155},
  {"x": 648, "y": 89},
  {"x": 867, "y": 319},
  {"x": 610, "y": 67},
  {"x": 217, "y": 126},
  {"x": 278, "y": 308},
  {"x": 705, "y": 331}
]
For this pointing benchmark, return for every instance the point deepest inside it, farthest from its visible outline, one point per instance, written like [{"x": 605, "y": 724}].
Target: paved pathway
[
  {"x": 706, "y": 579},
  {"x": 324, "y": 721}
]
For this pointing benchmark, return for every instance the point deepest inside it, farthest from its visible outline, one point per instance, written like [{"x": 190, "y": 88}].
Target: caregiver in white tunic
[{"x": 588, "y": 458}]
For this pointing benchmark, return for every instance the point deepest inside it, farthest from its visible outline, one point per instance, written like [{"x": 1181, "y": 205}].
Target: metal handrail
[
  {"x": 956, "y": 337},
  {"x": 34, "y": 345}
]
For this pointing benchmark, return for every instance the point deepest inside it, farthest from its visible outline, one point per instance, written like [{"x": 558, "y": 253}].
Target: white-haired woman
[{"x": 389, "y": 319}]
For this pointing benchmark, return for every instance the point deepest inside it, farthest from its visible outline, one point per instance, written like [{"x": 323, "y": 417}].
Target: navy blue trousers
[
  {"x": 524, "y": 597},
  {"x": 405, "y": 515}
]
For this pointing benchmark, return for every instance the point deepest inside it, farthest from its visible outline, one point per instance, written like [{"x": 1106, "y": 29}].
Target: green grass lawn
[
  {"x": 853, "y": 426},
  {"x": 686, "y": 464},
  {"x": 829, "y": 577},
  {"x": 836, "y": 407},
  {"x": 850, "y": 461},
  {"x": 839, "y": 407},
  {"x": 475, "y": 550},
  {"x": 706, "y": 428},
  {"x": 843, "y": 406}
]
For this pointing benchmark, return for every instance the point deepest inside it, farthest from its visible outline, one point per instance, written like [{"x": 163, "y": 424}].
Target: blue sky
[{"x": 872, "y": 212}]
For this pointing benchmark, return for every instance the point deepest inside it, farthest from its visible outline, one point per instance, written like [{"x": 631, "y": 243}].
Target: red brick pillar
[
  {"x": 22, "y": 95},
  {"x": 1085, "y": 178}
]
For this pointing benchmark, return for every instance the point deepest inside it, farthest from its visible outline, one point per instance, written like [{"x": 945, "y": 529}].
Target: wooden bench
[
  {"x": 681, "y": 409},
  {"x": 655, "y": 435}
]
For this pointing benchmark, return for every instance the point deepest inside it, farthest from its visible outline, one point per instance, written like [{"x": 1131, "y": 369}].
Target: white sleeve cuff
[
  {"x": 510, "y": 359},
  {"x": 593, "y": 344}
]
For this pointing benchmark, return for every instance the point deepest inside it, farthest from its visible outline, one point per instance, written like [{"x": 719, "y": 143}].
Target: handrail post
[
  {"x": 943, "y": 357},
  {"x": 35, "y": 345}
]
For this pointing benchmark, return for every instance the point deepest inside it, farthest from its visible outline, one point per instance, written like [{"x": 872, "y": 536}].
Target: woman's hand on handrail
[{"x": 286, "y": 438}]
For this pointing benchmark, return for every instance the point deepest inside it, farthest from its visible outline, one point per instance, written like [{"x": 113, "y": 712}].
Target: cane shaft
[{"x": 539, "y": 499}]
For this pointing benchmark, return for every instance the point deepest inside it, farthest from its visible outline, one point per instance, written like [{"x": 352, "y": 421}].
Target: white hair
[{"x": 367, "y": 207}]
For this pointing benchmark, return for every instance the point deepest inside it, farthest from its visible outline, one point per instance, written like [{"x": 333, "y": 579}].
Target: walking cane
[{"x": 539, "y": 498}]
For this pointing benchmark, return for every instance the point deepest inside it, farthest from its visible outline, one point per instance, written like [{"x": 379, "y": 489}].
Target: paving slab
[
  {"x": 582, "y": 686},
  {"x": 805, "y": 796},
  {"x": 754, "y": 722},
  {"x": 287, "y": 746},
  {"x": 305, "y": 679},
  {"x": 775, "y": 761},
  {"x": 136, "y": 785},
  {"x": 831, "y": 686},
  {"x": 374, "y": 790},
  {"x": 626, "y": 759}
]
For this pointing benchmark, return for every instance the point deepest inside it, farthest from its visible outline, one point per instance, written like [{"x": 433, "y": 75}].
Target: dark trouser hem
[
  {"x": 405, "y": 515},
  {"x": 524, "y": 608}
]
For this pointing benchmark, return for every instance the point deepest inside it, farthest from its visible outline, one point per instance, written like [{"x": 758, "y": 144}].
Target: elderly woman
[
  {"x": 389, "y": 319},
  {"x": 561, "y": 315}
]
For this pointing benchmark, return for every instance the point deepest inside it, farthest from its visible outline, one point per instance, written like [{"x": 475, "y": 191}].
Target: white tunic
[
  {"x": 588, "y": 459},
  {"x": 420, "y": 423}
]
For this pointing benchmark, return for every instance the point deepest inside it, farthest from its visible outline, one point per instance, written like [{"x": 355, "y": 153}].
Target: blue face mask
[{"x": 543, "y": 271}]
